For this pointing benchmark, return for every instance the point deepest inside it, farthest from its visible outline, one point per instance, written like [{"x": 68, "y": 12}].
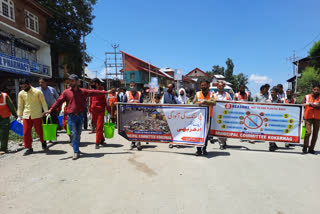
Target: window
[
  {"x": 32, "y": 22},
  {"x": 7, "y": 9},
  {"x": 132, "y": 76}
]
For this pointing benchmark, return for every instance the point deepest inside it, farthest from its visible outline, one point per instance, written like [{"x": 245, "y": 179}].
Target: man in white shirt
[{"x": 222, "y": 95}]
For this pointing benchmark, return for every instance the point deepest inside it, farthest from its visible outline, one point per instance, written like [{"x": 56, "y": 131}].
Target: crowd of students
[{"x": 36, "y": 103}]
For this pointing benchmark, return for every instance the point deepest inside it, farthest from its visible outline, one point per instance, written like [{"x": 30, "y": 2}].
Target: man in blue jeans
[{"x": 75, "y": 98}]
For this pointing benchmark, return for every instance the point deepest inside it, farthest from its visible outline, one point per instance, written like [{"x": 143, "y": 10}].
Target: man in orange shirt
[
  {"x": 204, "y": 97},
  {"x": 311, "y": 103}
]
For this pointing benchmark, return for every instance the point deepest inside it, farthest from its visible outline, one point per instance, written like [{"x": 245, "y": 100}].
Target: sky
[{"x": 259, "y": 36}]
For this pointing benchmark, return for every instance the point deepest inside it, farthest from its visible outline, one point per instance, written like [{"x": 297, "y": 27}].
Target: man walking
[
  {"x": 50, "y": 95},
  {"x": 6, "y": 109},
  {"x": 225, "y": 96},
  {"x": 133, "y": 96},
  {"x": 97, "y": 109},
  {"x": 75, "y": 97},
  {"x": 312, "y": 118},
  {"x": 31, "y": 103},
  {"x": 204, "y": 97}
]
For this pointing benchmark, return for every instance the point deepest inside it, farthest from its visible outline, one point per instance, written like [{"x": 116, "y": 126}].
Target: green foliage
[
  {"x": 65, "y": 29},
  {"x": 236, "y": 80},
  {"x": 314, "y": 54},
  {"x": 240, "y": 79},
  {"x": 309, "y": 76},
  {"x": 229, "y": 71}
]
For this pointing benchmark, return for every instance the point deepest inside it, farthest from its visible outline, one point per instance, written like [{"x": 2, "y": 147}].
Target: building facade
[
  {"x": 23, "y": 50},
  {"x": 141, "y": 72}
]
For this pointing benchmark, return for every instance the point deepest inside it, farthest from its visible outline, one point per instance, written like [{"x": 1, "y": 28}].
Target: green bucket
[
  {"x": 68, "y": 130},
  {"x": 109, "y": 130},
  {"x": 303, "y": 131},
  {"x": 49, "y": 130}
]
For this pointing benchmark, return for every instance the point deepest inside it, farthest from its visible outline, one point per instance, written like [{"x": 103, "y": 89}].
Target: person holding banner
[
  {"x": 225, "y": 96},
  {"x": 311, "y": 103},
  {"x": 170, "y": 97},
  {"x": 289, "y": 98},
  {"x": 242, "y": 95},
  {"x": 6, "y": 110},
  {"x": 76, "y": 99},
  {"x": 97, "y": 109},
  {"x": 133, "y": 96},
  {"x": 273, "y": 99},
  {"x": 183, "y": 97},
  {"x": 262, "y": 96},
  {"x": 204, "y": 97}
]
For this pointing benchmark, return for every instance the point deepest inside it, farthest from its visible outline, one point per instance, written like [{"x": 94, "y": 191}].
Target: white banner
[
  {"x": 257, "y": 121},
  {"x": 176, "y": 124}
]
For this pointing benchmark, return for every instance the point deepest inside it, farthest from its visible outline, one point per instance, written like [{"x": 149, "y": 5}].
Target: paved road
[{"x": 245, "y": 178}]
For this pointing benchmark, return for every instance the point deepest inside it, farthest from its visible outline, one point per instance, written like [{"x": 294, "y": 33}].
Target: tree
[
  {"x": 314, "y": 54},
  {"x": 240, "y": 79},
  {"x": 309, "y": 76},
  {"x": 71, "y": 19},
  {"x": 216, "y": 69},
  {"x": 229, "y": 71}
]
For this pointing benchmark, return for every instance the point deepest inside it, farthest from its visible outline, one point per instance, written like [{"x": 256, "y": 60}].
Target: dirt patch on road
[{"x": 141, "y": 166}]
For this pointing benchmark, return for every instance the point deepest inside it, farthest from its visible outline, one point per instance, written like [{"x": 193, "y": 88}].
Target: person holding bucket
[
  {"x": 31, "y": 102},
  {"x": 6, "y": 109},
  {"x": 97, "y": 108},
  {"x": 133, "y": 96},
  {"x": 75, "y": 97}
]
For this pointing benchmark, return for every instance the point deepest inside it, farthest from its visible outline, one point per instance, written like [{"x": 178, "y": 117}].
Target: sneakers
[
  {"x": 75, "y": 156},
  {"x": 44, "y": 146},
  {"x": 304, "y": 151},
  {"x": 312, "y": 152},
  {"x": 2, "y": 152},
  {"x": 102, "y": 142},
  {"x": 97, "y": 145},
  {"x": 204, "y": 152},
  {"x": 139, "y": 147},
  {"x": 273, "y": 147},
  {"x": 133, "y": 144},
  {"x": 198, "y": 153},
  {"x": 28, "y": 152},
  {"x": 223, "y": 146}
]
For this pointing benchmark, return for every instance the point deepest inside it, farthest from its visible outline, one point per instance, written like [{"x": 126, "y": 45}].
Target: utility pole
[
  {"x": 110, "y": 64},
  {"x": 295, "y": 72},
  {"x": 96, "y": 73}
]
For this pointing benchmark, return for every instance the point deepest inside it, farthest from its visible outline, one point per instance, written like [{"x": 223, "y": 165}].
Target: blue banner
[{"x": 14, "y": 65}]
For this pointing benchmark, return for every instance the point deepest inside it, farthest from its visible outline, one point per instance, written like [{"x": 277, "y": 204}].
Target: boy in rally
[
  {"x": 204, "y": 97},
  {"x": 225, "y": 96}
]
